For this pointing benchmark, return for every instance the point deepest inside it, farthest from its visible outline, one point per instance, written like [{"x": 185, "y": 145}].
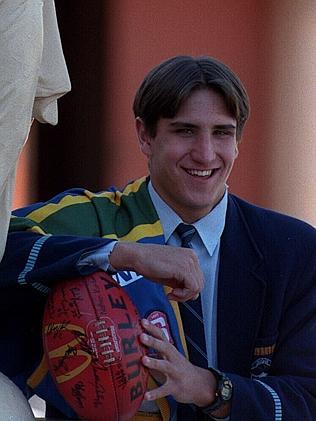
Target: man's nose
[{"x": 203, "y": 149}]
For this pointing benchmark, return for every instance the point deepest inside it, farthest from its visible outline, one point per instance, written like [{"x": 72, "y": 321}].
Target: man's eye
[
  {"x": 223, "y": 133},
  {"x": 185, "y": 131}
]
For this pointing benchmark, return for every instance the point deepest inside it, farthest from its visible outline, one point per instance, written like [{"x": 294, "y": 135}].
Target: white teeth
[{"x": 200, "y": 173}]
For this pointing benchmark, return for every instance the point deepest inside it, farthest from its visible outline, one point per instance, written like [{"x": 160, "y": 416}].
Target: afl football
[{"x": 90, "y": 336}]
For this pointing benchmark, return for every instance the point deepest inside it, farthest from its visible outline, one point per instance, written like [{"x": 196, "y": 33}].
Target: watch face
[
  {"x": 223, "y": 393},
  {"x": 226, "y": 390}
]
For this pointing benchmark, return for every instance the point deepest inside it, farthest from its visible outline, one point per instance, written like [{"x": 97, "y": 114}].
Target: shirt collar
[{"x": 210, "y": 227}]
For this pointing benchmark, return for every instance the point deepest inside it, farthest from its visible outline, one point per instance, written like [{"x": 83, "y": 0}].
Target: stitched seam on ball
[{"x": 109, "y": 367}]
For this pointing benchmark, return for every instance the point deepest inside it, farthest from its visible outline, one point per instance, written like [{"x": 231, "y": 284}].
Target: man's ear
[{"x": 143, "y": 137}]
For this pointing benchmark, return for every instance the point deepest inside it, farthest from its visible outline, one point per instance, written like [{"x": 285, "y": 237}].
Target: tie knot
[{"x": 186, "y": 233}]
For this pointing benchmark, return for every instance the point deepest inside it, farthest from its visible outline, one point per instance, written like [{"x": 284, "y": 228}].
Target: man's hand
[
  {"x": 176, "y": 267},
  {"x": 181, "y": 379}
]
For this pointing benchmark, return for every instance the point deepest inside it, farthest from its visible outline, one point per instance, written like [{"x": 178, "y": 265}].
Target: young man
[{"x": 255, "y": 268}]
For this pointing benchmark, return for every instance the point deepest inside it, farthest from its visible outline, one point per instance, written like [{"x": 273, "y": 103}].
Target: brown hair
[{"x": 167, "y": 85}]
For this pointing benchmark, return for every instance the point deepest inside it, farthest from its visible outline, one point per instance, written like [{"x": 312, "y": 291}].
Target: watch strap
[{"x": 223, "y": 393}]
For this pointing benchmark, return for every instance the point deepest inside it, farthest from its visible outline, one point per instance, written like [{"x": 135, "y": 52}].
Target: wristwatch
[{"x": 223, "y": 394}]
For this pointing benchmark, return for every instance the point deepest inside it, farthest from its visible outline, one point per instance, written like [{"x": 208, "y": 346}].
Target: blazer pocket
[{"x": 262, "y": 356}]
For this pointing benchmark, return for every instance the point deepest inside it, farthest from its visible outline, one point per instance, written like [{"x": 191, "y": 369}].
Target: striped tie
[
  {"x": 191, "y": 311},
  {"x": 192, "y": 320}
]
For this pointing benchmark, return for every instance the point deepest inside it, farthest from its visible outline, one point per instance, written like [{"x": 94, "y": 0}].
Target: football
[{"x": 90, "y": 337}]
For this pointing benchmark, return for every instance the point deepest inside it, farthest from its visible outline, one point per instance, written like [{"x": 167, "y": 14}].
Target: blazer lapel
[{"x": 241, "y": 293}]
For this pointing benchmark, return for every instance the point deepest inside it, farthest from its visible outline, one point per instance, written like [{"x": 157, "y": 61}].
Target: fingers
[
  {"x": 156, "y": 340},
  {"x": 159, "y": 367},
  {"x": 156, "y": 364},
  {"x": 152, "y": 342},
  {"x": 173, "y": 266},
  {"x": 176, "y": 267},
  {"x": 155, "y": 332},
  {"x": 182, "y": 294},
  {"x": 178, "y": 377},
  {"x": 159, "y": 392}
]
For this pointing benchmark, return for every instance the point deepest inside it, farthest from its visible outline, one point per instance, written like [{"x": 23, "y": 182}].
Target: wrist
[
  {"x": 207, "y": 390},
  {"x": 220, "y": 406},
  {"x": 122, "y": 256}
]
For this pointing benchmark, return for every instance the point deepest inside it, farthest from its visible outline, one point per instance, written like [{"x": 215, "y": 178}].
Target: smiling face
[{"x": 192, "y": 154}]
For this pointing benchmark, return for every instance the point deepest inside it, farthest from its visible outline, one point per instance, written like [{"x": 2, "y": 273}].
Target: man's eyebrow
[
  {"x": 225, "y": 126},
  {"x": 191, "y": 125},
  {"x": 182, "y": 124}
]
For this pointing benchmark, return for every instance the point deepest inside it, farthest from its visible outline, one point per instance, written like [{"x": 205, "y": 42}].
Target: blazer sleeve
[
  {"x": 289, "y": 391},
  {"x": 46, "y": 241}
]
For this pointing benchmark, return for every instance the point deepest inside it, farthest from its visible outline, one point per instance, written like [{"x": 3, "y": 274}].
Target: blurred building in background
[{"x": 109, "y": 47}]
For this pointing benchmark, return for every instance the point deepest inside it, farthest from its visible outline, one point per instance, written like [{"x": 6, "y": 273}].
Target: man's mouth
[{"x": 199, "y": 173}]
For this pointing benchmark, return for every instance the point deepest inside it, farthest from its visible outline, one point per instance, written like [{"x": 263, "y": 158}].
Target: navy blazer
[
  {"x": 266, "y": 304},
  {"x": 267, "y": 314}
]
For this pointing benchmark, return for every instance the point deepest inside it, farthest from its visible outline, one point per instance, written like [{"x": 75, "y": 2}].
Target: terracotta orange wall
[
  {"x": 26, "y": 174},
  {"x": 142, "y": 33},
  {"x": 269, "y": 44},
  {"x": 291, "y": 168}
]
